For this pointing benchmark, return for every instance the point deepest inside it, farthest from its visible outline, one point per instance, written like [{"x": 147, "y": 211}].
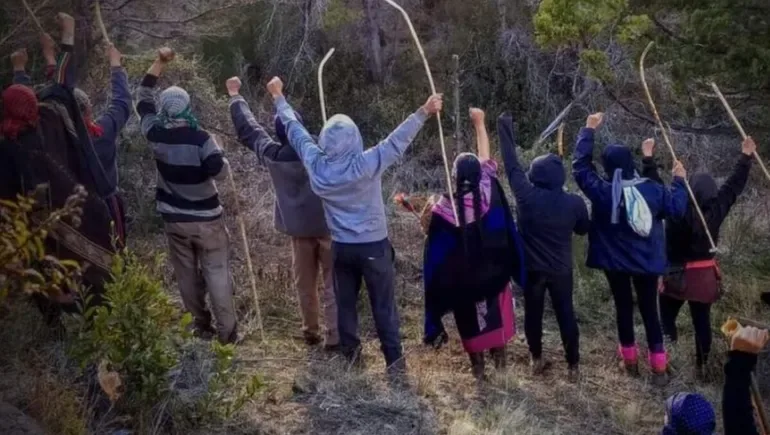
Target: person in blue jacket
[
  {"x": 623, "y": 254},
  {"x": 547, "y": 218}
]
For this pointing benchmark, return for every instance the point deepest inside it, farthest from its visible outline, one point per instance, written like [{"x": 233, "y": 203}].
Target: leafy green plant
[
  {"x": 137, "y": 333},
  {"x": 25, "y": 266}
]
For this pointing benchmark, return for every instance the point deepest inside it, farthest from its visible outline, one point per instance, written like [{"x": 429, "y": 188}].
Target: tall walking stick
[
  {"x": 100, "y": 22},
  {"x": 671, "y": 147},
  {"x": 438, "y": 114},
  {"x": 560, "y": 140},
  {"x": 738, "y": 125},
  {"x": 32, "y": 14},
  {"x": 249, "y": 266},
  {"x": 321, "y": 83}
]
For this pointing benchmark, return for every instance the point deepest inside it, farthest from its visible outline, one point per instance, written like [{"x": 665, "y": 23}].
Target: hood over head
[
  {"x": 19, "y": 110},
  {"x": 689, "y": 414},
  {"x": 340, "y": 137},
  {"x": 547, "y": 172},
  {"x": 704, "y": 187},
  {"x": 618, "y": 157},
  {"x": 280, "y": 129}
]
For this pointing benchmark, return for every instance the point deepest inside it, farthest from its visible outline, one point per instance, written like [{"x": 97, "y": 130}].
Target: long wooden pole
[
  {"x": 438, "y": 114},
  {"x": 321, "y": 83},
  {"x": 456, "y": 100},
  {"x": 100, "y": 21},
  {"x": 670, "y": 146},
  {"x": 32, "y": 14},
  {"x": 738, "y": 126}
]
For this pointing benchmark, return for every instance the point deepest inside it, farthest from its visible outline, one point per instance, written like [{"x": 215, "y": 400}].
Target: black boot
[{"x": 477, "y": 365}]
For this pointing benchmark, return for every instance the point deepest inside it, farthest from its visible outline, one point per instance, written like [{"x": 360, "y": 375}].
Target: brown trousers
[
  {"x": 310, "y": 254},
  {"x": 198, "y": 251}
]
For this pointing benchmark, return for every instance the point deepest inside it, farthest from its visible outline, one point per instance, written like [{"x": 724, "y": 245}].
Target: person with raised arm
[
  {"x": 298, "y": 213},
  {"x": 468, "y": 265},
  {"x": 693, "y": 274},
  {"x": 189, "y": 162},
  {"x": 349, "y": 181},
  {"x": 626, "y": 239},
  {"x": 548, "y": 216}
]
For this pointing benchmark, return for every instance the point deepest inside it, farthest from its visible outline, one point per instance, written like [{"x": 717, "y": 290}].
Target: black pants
[
  {"x": 372, "y": 263},
  {"x": 701, "y": 321},
  {"x": 646, "y": 296},
  {"x": 559, "y": 286}
]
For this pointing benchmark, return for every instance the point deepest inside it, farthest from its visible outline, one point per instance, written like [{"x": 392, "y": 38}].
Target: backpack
[{"x": 638, "y": 213}]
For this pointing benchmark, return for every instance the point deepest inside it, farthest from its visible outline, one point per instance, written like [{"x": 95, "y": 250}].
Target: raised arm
[
  {"x": 145, "y": 104},
  {"x": 299, "y": 138},
  {"x": 675, "y": 198},
  {"x": 19, "y": 62},
  {"x": 649, "y": 166},
  {"x": 49, "y": 54},
  {"x": 733, "y": 187},
  {"x": 250, "y": 133},
  {"x": 383, "y": 155},
  {"x": 482, "y": 137},
  {"x": 583, "y": 169},
  {"x": 517, "y": 178},
  {"x": 65, "y": 66},
  {"x": 213, "y": 160},
  {"x": 119, "y": 110}
]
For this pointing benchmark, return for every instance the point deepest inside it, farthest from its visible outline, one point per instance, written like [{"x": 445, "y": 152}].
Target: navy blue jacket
[
  {"x": 616, "y": 247},
  {"x": 547, "y": 214}
]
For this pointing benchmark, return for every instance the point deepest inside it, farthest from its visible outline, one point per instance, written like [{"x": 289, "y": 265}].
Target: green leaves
[{"x": 575, "y": 22}]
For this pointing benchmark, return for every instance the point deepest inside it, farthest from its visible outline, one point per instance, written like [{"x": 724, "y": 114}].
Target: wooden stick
[
  {"x": 670, "y": 146},
  {"x": 438, "y": 114},
  {"x": 738, "y": 126},
  {"x": 32, "y": 14},
  {"x": 245, "y": 242},
  {"x": 560, "y": 140},
  {"x": 456, "y": 100},
  {"x": 98, "y": 13},
  {"x": 321, "y": 83}
]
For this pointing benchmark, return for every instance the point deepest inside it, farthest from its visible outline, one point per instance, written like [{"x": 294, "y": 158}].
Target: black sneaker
[{"x": 573, "y": 374}]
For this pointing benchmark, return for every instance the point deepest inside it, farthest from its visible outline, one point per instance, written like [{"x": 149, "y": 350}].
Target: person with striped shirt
[{"x": 189, "y": 162}]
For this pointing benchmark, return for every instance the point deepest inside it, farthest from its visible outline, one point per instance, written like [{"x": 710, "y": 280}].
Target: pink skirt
[{"x": 488, "y": 324}]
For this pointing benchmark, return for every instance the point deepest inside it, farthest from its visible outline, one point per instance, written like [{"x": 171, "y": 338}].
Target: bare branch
[
  {"x": 182, "y": 21},
  {"x": 144, "y": 32},
  {"x": 23, "y": 22}
]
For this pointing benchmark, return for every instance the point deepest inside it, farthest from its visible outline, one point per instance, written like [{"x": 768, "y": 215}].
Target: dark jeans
[
  {"x": 372, "y": 263},
  {"x": 559, "y": 287},
  {"x": 646, "y": 295},
  {"x": 701, "y": 321}
]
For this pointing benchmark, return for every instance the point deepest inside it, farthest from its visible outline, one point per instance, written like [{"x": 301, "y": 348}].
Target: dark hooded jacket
[
  {"x": 548, "y": 216},
  {"x": 298, "y": 212},
  {"x": 686, "y": 240},
  {"x": 616, "y": 247}
]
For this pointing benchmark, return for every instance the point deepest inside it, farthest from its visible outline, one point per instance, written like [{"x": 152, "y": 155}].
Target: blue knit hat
[{"x": 689, "y": 414}]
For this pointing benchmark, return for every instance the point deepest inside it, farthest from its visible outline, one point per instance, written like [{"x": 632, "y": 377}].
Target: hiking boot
[
  {"x": 539, "y": 366},
  {"x": 573, "y": 373},
  {"x": 311, "y": 338},
  {"x": 477, "y": 365},
  {"x": 498, "y": 357}
]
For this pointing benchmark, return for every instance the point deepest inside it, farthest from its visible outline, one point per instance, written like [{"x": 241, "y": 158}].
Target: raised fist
[
  {"x": 594, "y": 120},
  {"x": 19, "y": 59},
  {"x": 679, "y": 170},
  {"x": 166, "y": 54},
  {"x": 477, "y": 115},
  {"x": 434, "y": 104},
  {"x": 233, "y": 85},
  {"x": 275, "y": 87},
  {"x": 66, "y": 22},
  {"x": 748, "y": 146},
  {"x": 648, "y": 147},
  {"x": 749, "y": 339}
]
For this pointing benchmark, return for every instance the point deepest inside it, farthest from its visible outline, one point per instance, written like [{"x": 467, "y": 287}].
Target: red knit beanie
[{"x": 19, "y": 110}]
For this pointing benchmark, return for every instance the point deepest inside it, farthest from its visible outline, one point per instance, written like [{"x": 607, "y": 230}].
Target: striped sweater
[{"x": 188, "y": 162}]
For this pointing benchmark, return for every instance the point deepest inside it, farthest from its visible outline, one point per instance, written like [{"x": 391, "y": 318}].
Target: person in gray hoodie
[
  {"x": 348, "y": 180},
  {"x": 297, "y": 213}
]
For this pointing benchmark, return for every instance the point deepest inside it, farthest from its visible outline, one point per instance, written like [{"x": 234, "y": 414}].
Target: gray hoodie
[{"x": 347, "y": 178}]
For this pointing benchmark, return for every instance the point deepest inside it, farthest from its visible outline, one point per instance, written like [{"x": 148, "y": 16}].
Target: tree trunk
[
  {"x": 374, "y": 42},
  {"x": 502, "y": 9}
]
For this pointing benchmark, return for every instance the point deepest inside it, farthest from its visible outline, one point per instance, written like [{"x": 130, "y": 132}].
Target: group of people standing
[{"x": 329, "y": 200}]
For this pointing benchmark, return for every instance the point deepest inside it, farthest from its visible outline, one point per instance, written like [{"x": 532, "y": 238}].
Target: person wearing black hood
[
  {"x": 298, "y": 213},
  {"x": 548, "y": 216},
  {"x": 627, "y": 240},
  {"x": 693, "y": 274}
]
